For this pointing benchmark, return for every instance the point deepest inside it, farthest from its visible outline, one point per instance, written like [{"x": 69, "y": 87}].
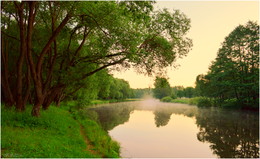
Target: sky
[{"x": 211, "y": 22}]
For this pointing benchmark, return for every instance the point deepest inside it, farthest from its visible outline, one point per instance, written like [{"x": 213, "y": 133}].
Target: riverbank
[
  {"x": 60, "y": 132},
  {"x": 210, "y": 102}
]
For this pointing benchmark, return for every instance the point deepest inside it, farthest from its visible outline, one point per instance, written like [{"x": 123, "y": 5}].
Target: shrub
[
  {"x": 174, "y": 95},
  {"x": 193, "y": 101},
  {"x": 231, "y": 103},
  {"x": 204, "y": 102},
  {"x": 166, "y": 99}
]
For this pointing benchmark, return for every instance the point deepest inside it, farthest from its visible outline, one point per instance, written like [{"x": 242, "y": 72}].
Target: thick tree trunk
[
  {"x": 6, "y": 90},
  {"x": 19, "y": 85}
]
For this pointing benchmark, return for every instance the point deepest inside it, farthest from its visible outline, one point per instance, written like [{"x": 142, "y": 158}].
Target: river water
[{"x": 151, "y": 128}]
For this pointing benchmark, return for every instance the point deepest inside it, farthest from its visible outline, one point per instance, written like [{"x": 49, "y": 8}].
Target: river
[{"x": 151, "y": 128}]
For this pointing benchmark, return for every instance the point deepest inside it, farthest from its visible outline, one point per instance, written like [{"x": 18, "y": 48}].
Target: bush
[
  {"x": 231, "y": 103},
  {"x": 204, "y": 102},
  {"x": 174, "y": 95},
  {"x": 166, "y": 99},
  {"x": 194, "y": 101}
]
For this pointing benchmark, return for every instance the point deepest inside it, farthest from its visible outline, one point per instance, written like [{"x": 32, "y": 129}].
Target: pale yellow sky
[{"x": 211, "y": 22}]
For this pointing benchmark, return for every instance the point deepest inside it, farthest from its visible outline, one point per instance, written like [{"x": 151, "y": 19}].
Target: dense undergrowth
[{"x": 56, "y": 134}]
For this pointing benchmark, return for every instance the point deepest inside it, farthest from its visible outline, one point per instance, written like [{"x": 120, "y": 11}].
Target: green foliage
[
  {"x": 72, "y": 42},
  {"x": 204, "y": 102},
  {"x": 140, "y": 93},
  {"x": 234, "y": 74},
  {"x": 102, "y": 86},
  {"x": 187, "y": 92},
  {"x": 231, "y": 103},
  {"x": 166, "y": 99},
  {"x": 161, "y": 88}
]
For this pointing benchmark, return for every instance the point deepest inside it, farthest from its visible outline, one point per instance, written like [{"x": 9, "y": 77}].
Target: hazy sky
[{"x": 211, "y": 22}]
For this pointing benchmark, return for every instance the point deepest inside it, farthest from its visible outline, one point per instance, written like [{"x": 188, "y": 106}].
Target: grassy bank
[
  {"x": 94, "y": 102},
  {"x": 58, "y": 133},
  {"x": 209, "y": 102},
  {"x": 199, "y": 101}
]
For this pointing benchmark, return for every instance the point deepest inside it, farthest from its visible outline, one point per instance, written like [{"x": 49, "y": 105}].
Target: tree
[
  {"x": 235, "y": 71},
  {"x": 161, "y": 88},
  {"x": 189, "y": 92},
  {"x": 63, "y": 43}
]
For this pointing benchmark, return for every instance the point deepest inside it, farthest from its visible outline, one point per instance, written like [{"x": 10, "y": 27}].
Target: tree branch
[
  {"x": 103, "y": 67},
  {"x": 9, "y": 36},
  {"x": 52, "y": 38}
]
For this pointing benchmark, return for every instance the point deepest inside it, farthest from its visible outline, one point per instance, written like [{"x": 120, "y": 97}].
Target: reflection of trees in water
[
  {"x": 163, "y": 114},
  {"x": 113, "y": 115},
  {"x": 231, "y": 134},
  {"x": 162, "y": 118}
]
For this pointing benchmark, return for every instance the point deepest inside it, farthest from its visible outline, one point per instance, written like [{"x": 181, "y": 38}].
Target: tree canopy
[
  {"x": 234, "y": 74},
  {"x": 162, "y": 88},
  {"x": 50, "y": 49}
]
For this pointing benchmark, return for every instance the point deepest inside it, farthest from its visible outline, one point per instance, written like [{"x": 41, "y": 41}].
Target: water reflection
[
  {"x": 232, "y": 134},
  {"x": 113, "y": 115},
  {"x": 228, "y": 133},
  {"x": 162, "y": 118}
]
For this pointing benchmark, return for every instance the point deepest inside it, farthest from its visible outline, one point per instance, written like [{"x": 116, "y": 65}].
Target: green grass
[
  {"x": 98, "y": 137},
  {"x": 100, "y": 140},
  {"x": 199, "y": 101},
  {"x": 181, "y": 100},
  {"x": 55, "y": 134},
  {"x": 209, "y": 102}
]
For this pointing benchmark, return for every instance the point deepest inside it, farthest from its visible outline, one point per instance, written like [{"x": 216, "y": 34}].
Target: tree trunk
[
  {"x": 36, "y": 108},
  {"x": 19, "y": 85},
  {"x": 6, "y": 90},
  {"x": 53, "y": 94}
]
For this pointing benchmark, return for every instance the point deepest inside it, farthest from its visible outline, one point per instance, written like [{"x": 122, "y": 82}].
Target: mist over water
[{"x": 150, "y": 128}]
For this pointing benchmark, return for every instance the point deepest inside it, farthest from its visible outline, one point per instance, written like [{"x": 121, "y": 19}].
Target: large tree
[
  {"x": 235, "y": 71},
  {"x": 162, "y": 88},
  {"x": 61, "y": 44}
]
